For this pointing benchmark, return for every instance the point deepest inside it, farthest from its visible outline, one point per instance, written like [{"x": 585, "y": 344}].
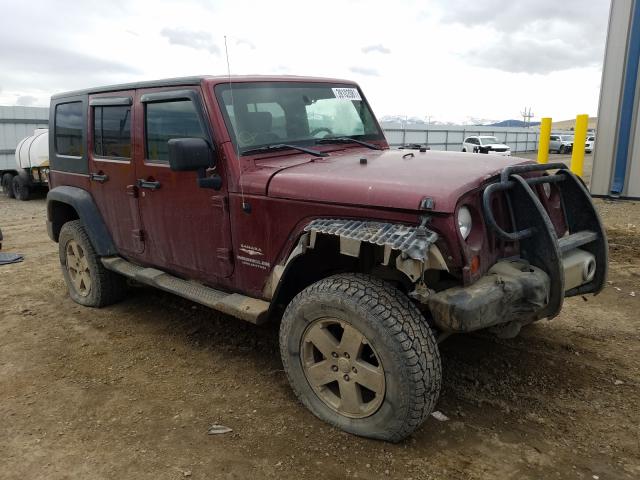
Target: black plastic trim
[
  {"x": 82, "y": 202},
  {"x": 169, "y": 95},
  {"x": 110, "y": 101}
]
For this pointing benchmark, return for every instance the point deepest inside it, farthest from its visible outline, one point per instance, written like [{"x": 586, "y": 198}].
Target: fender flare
[{"x": 82, "y": 202}]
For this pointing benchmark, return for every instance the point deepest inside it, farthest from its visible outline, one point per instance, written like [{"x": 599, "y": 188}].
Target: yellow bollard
[
  {"x": 543, "y": 145},
  {"x": 579, "y": 139}
]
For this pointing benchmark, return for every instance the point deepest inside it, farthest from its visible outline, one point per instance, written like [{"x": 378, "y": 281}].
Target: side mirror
[{"x": 189, "y": 154}]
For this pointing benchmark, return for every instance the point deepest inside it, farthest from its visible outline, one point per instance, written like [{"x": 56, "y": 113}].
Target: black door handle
[
  {"x": 98, "y": 177},
  {"x": 150, "y": 184}
]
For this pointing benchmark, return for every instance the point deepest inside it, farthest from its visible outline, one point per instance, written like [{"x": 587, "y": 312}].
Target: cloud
[
  {"x": 531, "y": 56},
  {"x": 379, "y": 48},
  {"x": 244, "y": 41},
  {"x": 50, "y": 59},
  {"x": 198, "y": 40},
  {"x": 369, "y": 72},
  {"x": 26, "y": 100},
  {"x": 533, "y": 37},
  {"x": 510, "y": 16}
]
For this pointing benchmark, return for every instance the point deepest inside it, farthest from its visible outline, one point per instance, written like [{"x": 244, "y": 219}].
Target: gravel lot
[{"x": 129, "y": 391}]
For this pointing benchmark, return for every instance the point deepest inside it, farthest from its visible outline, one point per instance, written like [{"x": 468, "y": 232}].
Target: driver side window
[{"x": 167, "y": 120}]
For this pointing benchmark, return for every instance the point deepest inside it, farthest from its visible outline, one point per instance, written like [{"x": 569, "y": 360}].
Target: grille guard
[{"x": 536, "y": 234}]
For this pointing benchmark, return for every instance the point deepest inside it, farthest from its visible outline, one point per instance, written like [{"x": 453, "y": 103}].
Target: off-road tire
[
  {"x": 21, "y": 188},
  {"x": 7, "y": 185},
  {"x": 107, "y": 287},
  {"x": 392, "y": 325}
]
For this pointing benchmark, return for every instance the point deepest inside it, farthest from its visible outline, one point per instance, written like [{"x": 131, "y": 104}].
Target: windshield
[
  {"x": 566, "y": 138},
  {"x": 488, "y": 140},
  {"x": 272, "y": 113}
]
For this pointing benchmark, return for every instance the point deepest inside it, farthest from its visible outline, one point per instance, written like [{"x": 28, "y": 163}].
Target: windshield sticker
[{"x": 347, "y": 93}]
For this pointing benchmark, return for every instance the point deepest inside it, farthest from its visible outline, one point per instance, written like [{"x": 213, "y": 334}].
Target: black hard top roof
[
  {"x": 169, "y": 82},
  {"x": 195, "y": 80}
]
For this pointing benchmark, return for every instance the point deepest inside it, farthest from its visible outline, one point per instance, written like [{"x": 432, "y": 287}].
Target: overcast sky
[{"x": 452, "y": 60}]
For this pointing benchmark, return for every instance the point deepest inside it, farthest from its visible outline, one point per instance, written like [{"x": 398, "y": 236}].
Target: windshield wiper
[
  {"x": 284, "y": 146},
  {"x": 347, "y": 140}
]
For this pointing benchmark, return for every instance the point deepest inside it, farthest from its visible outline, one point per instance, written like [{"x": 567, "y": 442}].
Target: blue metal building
[{"x": 616, "y": 165}]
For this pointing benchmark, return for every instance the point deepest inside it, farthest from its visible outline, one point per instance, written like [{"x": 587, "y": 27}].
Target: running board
[{"x": 245, "y": 308}]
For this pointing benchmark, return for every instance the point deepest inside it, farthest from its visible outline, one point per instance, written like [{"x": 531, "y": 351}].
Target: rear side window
[
  {"x": 167, "y": 120},
  {"x": 68, "y": 128},
  {"x": 112, "y": 131}
]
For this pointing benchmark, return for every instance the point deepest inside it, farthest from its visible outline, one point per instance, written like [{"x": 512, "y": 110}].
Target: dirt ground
[{"x": 129, "y": 391}]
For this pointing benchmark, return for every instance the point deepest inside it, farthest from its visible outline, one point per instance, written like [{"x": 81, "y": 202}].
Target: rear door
[
  {"x": 111, "y": 170},
  {"x": 186, "y": 227}
]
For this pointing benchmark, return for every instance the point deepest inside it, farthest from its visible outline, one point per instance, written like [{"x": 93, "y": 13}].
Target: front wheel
[
  {"x": 562, "y": 149},
  {"x": 361, "y": 357}
]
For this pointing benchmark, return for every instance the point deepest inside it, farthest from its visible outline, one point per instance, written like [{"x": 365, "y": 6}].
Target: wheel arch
[
  {"x": 318, "y": 255},
  {"x": 66, "y": 203}
]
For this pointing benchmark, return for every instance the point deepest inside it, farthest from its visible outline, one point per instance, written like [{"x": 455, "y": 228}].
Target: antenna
[{"x": 245, "y": 206}]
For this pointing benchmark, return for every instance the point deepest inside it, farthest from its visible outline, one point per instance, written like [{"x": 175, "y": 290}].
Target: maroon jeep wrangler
[{"x": 279, "y": 198}]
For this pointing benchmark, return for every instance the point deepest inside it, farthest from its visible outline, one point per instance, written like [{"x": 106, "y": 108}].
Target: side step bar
[{"x": 245, "y": 308}]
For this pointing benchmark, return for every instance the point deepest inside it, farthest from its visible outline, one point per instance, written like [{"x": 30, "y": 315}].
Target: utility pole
[{"x": 527, "y": 116}]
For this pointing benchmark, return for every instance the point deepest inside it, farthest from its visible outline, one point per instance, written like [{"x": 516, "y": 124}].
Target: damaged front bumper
[
  {"x": 518, "y": 291},
  {"x": 511, "y": 291}
]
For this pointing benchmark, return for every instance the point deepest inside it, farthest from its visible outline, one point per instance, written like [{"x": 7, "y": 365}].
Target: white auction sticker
[{"x": 347, "y": 93}]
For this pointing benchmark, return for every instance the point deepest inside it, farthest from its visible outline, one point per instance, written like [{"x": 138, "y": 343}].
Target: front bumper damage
[
  {"x": 511, "y": 291},
  {"x": 518, "y": 291}
]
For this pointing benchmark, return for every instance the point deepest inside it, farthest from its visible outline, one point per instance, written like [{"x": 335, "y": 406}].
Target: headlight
[{"x": 464, "y": 222}]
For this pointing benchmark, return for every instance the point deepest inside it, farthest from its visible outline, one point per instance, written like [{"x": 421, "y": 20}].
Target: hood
[
  {"x": 496, "y": 145},
  {"x": 397, "y": 179}
]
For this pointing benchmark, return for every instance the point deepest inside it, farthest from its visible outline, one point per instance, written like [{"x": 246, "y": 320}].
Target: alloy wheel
[
  {"x": 342, "y": 367},
  {"x": 78, "y": 268}
]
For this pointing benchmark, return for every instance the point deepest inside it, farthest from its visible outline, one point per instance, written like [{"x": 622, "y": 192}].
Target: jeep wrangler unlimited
[{"x": 279, "y": 198}]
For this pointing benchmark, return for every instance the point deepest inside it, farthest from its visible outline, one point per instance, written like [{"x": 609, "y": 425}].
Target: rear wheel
[
  {"x": 7, "y": 185},
  {"x": 21, "y": 188},
  {"x": 562, "y": 149},
  {"x": 361, "y": 357},
  {"x": 89, "y": 283}
]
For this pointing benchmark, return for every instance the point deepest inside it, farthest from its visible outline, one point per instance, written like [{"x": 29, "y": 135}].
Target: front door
[
  {"x": 111, "y": 171},
  {"x": 186, "y": 227}
]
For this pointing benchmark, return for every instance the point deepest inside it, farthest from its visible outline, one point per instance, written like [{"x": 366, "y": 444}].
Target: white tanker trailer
[{"x": 31, "y": 168}]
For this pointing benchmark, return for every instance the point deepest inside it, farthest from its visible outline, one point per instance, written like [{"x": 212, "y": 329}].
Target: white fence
[{"x": 450, "y": 137}]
